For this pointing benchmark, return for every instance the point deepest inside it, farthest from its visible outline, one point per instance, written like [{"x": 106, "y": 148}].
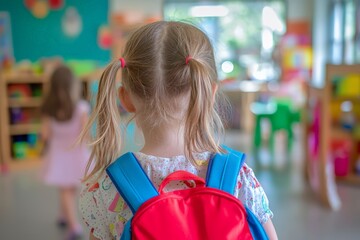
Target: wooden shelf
[
  {"x": 335, "y": 129},
  {"x": 345, "y": 98},
  {"x": 26, "y": 163},
  {"x": 19, "y": 129},
  {"x": 25, "y": 102},
  {"x": 7, "y": 130},
  {"x": 24, "y": 78},
  {"x": 321, "y": 107},
  {"x": 338, "y": 132},
  {"x": 351, "y": 178}
]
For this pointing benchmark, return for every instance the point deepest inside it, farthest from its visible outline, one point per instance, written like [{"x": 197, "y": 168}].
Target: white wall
[
  {"x": 320, "y": 41},
  {"x": 146, "y": 7},
  {"x": 300, "y": 9},
  {"x": 297, "y": 9}
]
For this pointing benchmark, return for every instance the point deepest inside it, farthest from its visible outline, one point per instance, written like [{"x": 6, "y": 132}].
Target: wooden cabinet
[
  {"x": 20, "y": 116},
  {"x": 332, "y": 129},
  {"x": 2, "y": 125},
  {"x": 343, "y": 92}
]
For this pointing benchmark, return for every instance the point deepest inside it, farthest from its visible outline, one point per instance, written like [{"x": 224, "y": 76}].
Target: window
[
  {"x": 244, "y": 33},
  {"x": 344, "y": 32}
]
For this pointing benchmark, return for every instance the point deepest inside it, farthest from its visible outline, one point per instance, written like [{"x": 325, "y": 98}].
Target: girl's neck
[{"x": 164, "y": 141}]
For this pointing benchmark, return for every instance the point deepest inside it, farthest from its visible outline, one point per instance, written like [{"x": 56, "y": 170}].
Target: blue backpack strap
[
  {"x": 256, "y": 229},
  {"x": 222, "y": 174},
  {"x": 131, "y": 181},
  {"x": 223, "y": 170},
  {"x": 126, "y": 234}
]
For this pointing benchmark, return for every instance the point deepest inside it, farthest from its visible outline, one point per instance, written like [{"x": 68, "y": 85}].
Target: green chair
[
  {"x": 281, "y": 115},
  {"x": 261, "y": 111}
]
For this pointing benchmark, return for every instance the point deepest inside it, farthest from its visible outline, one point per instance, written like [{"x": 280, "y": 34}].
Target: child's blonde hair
[{"x": 166, "y": 62}]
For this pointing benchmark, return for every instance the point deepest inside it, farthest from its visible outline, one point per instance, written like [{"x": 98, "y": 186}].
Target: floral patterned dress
[{"x": 105, "y": 212}]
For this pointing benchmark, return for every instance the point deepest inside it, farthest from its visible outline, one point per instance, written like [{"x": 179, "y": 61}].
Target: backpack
[{"x": 207, "y": 211}]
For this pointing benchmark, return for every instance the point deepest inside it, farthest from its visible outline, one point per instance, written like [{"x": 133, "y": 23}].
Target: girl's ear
[{"x": 125, "y": 100}]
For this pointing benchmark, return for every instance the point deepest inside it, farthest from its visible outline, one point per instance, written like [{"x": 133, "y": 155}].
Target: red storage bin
[{"x": 341, "y": 154}]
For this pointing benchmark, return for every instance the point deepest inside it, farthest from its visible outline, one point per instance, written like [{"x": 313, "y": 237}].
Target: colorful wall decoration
[
  {"x": 105, "y": 39},
  {"x": 6, "y": 50},
  {"x": 297, "y": 52},
  {"x": 40, "y": 8},
  {"x": 71, "y": 22},
  {"x": 35, "y": 38}
]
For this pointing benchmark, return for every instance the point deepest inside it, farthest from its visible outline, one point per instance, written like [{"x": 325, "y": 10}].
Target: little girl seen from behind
[
  {"x": 64, "y": 116},
  {"x": 169, "y": 82}
]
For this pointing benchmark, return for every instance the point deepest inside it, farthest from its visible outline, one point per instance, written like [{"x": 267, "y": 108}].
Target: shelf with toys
[
  {"x": 25, "y": 102},
  {"x": 21, "y": 100},
  {"x": 344, "y": 93},
  {"x": 17, "y": 129},
  {"x": 332, "y": 136},
  {"x": 21, "y": 96}
]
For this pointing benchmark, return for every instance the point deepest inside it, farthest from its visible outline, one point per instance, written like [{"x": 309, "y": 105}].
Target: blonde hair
[{"x": 165, "y": 62}]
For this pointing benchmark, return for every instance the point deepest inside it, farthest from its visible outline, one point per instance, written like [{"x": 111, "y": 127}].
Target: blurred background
[{"x": 290, "y": 70}]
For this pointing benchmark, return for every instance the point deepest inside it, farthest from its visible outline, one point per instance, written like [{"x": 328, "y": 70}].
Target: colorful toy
[
  {"x": 32, "y": 140},
  {"x": 36, "y": 91},
  {"x": 347, "y": 118},
  {"x": 81, "y": 67},
  {"x": 27, "y": 146},
  {"x": 19, "y": 91},
  {"x": 348, "y": 86},
  {"x": 20, "y": 150},
  {"x": 15, "y": 115},
  {"x": 357, "y": 166},
  {"x": 20, "y": 115}
]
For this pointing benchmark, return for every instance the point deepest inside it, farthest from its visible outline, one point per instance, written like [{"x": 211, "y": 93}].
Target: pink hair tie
[
  {"x": 122, "y": 62},
  {"x": 188, "y": 58}
]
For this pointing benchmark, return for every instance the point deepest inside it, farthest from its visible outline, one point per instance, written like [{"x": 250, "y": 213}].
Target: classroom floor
[{"x": 28, "y": 209}]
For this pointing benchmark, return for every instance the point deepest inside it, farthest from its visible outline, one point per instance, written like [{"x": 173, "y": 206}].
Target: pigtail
[
  {"x": 106, "y": 145},
  {"x": 202, "y": 122}
]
